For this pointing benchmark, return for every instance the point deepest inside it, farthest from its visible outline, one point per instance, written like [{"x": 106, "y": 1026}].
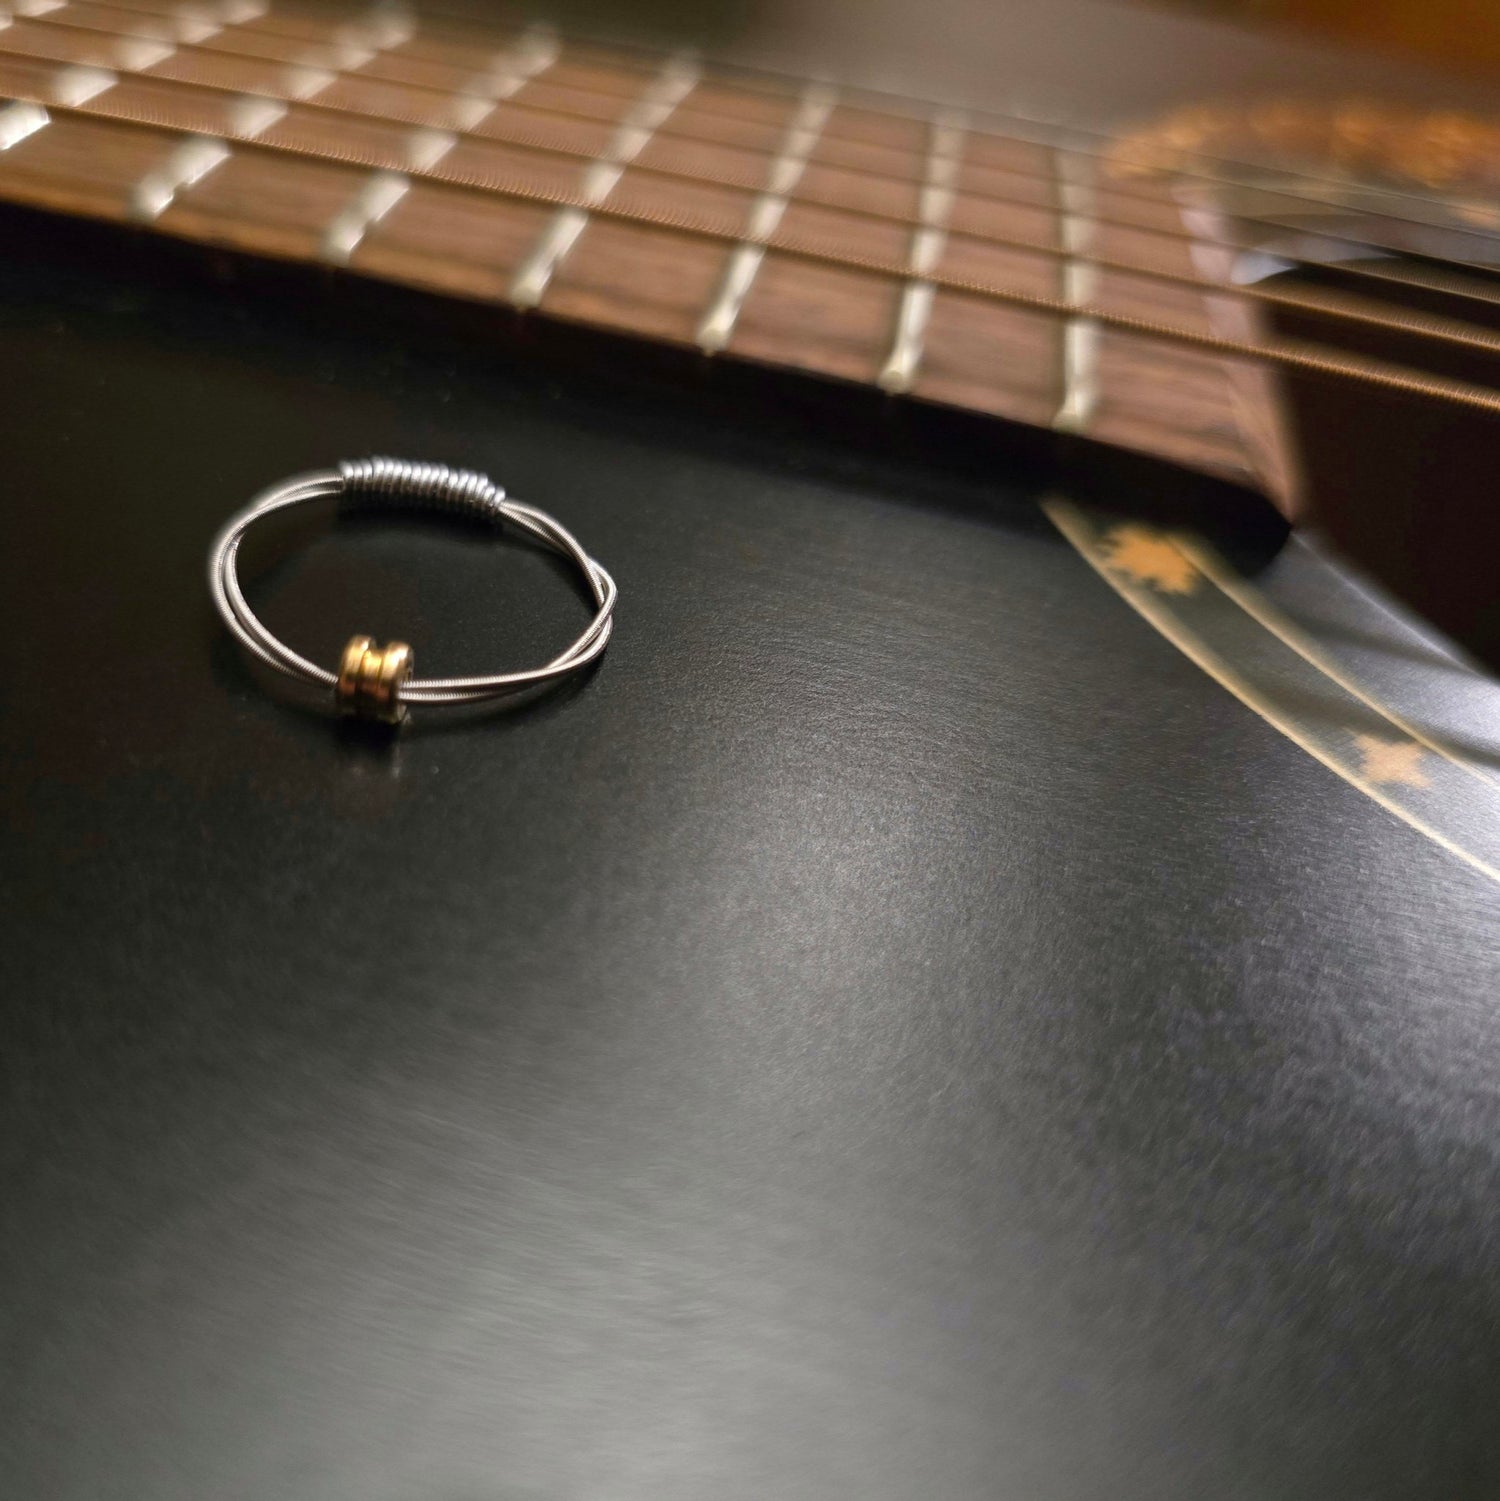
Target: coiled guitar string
[{"x": 431, "y": 486}]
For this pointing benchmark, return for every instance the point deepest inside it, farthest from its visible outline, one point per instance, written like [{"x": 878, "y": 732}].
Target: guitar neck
[{"x": 748, "y": 216}]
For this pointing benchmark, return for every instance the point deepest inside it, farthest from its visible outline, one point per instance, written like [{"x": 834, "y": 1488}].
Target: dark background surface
[{"x": 896, "y": 1030}]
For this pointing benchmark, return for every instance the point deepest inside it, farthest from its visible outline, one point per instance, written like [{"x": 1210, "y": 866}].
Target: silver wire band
[{"x": 433, "y": 485}]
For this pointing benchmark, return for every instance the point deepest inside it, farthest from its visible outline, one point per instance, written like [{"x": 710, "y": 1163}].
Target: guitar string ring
[{"x": 376, "y": 682}]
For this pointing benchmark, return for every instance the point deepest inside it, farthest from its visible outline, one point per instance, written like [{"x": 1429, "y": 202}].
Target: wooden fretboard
[{"x": 659, "y": 196}]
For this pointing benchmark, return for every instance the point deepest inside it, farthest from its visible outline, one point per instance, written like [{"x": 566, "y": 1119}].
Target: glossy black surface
[{"x": 896, "y": 1030}]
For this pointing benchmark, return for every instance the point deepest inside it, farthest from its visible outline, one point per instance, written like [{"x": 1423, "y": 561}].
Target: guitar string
[
  {"x": 1118, "y": 188},
  {"x": 1323, "y": 303},
  {"x": 784, "y": 89},
  {"x": 1283, "y": 354}
]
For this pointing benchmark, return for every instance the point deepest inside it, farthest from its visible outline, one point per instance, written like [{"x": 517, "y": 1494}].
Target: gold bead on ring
[{"x": 370, "y": 679}]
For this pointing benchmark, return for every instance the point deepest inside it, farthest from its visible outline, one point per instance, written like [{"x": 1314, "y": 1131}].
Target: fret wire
[
  {"x": 20, "y": 119},
  {"x": 1314, "y": 302},
  {"x": 190, "y": 163},
  {"x": 1079, "y": 352},
  {"x": 945, "y": 146},
  {"x": 238, "y": 12},
  {"x": 717, "y": 327},
  {"x": 380, "y": 192},
  {"x": 771, "y": 84},
  {"x": 1283, "y": 354},
  {"x": 252, "y": 114},
  {"x": 383, "y": 29},
  {"x": 1117, "y": 187},
  {"x": 78, "y": 84},
  {"x": 676, "y": 79}
]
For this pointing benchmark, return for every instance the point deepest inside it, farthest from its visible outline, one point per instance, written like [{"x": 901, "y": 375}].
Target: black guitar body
[{"x": 898, "y": 1029}]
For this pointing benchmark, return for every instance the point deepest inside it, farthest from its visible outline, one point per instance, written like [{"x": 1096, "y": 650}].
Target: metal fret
[
  {"x": 243, "y": 12},
  {"x": 77, "y": 85},
  {"x": 511, "y": 70},
  {"x": 196, "y": 24},
  {"x": 381, "y": 192},
  {"x": 1080, "y": 286},
  {"x": 426, "y": 147},
  {"x": 253, "y": 114},
  {"x": 349, "y": 47},
  {"x": 319, "y": 67},
  {"x": 808, "y": 120},
  {"x": 303, "y": 80},
  {"x": 188, "y": 163},
  {"x": 945, "y": 148},
  {"x": 385, "y": 29},
  {"x": 19, "y": 120},
  {"x": 137, "y": 53},
  {"x": 352, "y": 47},
  {"x": 665, "y": 93}
]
